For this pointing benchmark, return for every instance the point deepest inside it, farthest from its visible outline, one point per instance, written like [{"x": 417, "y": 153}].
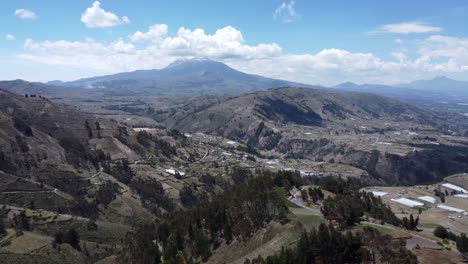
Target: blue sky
[{"x": 319, "y": 42}]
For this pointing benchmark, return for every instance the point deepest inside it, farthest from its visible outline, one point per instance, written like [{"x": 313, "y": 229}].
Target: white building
[{"x": 454, "y": 187}]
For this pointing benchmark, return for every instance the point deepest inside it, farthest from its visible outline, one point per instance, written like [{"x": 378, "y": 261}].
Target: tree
[
  {"x": 59, "y": 238},
  {"x": 202, "y": 246},
  {"x": 2, "y": 228},
  {"x": 462, "y": 243},
  {"x": 98, "y": 128},
  {"x": 88, "y": 128},
  {"x": 20, "y": 222},
  {"x": 441, "y": 232},
  {"x": 187, "y": 197},
  {"x": 411, "y": 223},
  {"x": 32, "y": 205},
  {"x": 157, "y": 255},
  {"x": 73, "y": 238}
]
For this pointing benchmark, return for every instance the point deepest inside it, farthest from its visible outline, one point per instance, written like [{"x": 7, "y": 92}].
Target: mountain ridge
[{"x": 188, "y": 76}]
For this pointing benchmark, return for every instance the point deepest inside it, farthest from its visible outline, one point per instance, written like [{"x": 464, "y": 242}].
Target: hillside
[
  {"x": 64, "y": 170},
  {"x": 388, "y": 139},
  {"x": 196, "y": 76}
]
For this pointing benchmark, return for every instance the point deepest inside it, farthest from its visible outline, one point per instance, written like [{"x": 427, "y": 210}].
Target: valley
[{"x": 134, "y": 175}]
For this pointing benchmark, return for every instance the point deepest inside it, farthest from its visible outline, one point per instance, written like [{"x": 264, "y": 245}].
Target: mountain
[
  {"x": 441, "y": 85},
  {"x": 182, "y": 77},
  {"x": 423, "y": 92},
  {"x": 22, "y": 87},
  {"x": 401, "y": 93},
  {"x": 377, "y": 134},
  {"x": 317, "y": 107},
  {"x": 63, "y": 170}
]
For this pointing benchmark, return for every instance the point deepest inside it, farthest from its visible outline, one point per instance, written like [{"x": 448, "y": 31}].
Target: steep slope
[
  {"x": 182, "y": 77},
  {"x": 61, "y": 169},
  {"x": 394, "y": 142},
  {"x": 301, "y": 106}
]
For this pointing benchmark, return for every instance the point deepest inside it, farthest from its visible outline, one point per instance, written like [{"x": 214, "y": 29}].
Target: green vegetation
[
  {"x": 348, "y": 208},
  {"x": 2, "y": 228},
  {"x": 107, "y": 193},
  {"x": 121, "y": 171},
  {"x": 152, "y": 195},
  {"x": 158, "y": 145},
  {"x": 71, "y": 237},
  {"x": 462, "y": 244},
  {"x": 461, "y": 240},
  {"x": 310, "y": 221},
  {"x": 383, "y": 230},
  {"x": 326, "y": 245},
  {"x": 283, "y": 193},
  {"x": 235, "y": 214},
  {"x": 443, "y": 233},
  {"x": 315, "y": 194}
]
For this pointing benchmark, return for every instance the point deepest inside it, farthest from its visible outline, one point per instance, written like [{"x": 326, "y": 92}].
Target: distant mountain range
[
  {"x": 196, "y": 76},
  {"x": 200, "y": 76},
  {"x": 439, "y": 89}
]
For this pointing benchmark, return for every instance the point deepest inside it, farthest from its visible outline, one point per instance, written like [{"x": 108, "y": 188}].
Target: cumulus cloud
[
  {"x": 444, "y": 53},
  {"x": 226, "y": 42},
  {"x": 407, "y": 28},
  {"x": 96, "y": 17},
  {"x": 157, "y": 48},
  {"x": 155, "y": 34},
  {"x": 286, "y": 12},
  {"x": 25, "y": 14},
  {"x": 10, "y": 37}
]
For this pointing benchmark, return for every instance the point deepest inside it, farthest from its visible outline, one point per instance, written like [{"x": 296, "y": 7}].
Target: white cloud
[
  {"x": 25, "y": 14},
  {"x": 444, "y": 53},
  {"x": 227, "y": 42},
  {"x": 155, "y": 34},
  {"x": 10, "y": 37},
  {"x": 407, "y": 28},
  {"x": 96, "y": 17},
  {"x": 400, "y": 56},
  {"x": 434, "y": 55},
  {"x": 286, "y": 12}
]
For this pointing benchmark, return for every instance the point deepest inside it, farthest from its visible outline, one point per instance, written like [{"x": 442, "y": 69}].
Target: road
[
  {"x": 206, "y": 154},
  {"x": 96, "y": 174},
  {"x": 56, "y": 191},
  {"x": 299, "y": 203}
]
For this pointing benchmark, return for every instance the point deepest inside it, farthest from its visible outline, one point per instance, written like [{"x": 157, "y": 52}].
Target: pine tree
[
  {"x": 73, "y": 238},
  {"x": 2, "y": 228}
]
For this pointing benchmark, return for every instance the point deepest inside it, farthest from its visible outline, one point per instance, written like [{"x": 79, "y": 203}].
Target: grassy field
[
  {"x": 381, "y": 229},
  {"x": 265, "y": 242},
  {"x": 310, "y": 221}
]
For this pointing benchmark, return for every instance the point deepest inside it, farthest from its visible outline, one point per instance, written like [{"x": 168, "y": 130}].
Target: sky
[{"x": 309, "y": 41}]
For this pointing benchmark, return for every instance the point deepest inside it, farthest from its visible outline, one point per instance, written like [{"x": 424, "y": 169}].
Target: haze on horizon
[{"x": 315, "y": 42}]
